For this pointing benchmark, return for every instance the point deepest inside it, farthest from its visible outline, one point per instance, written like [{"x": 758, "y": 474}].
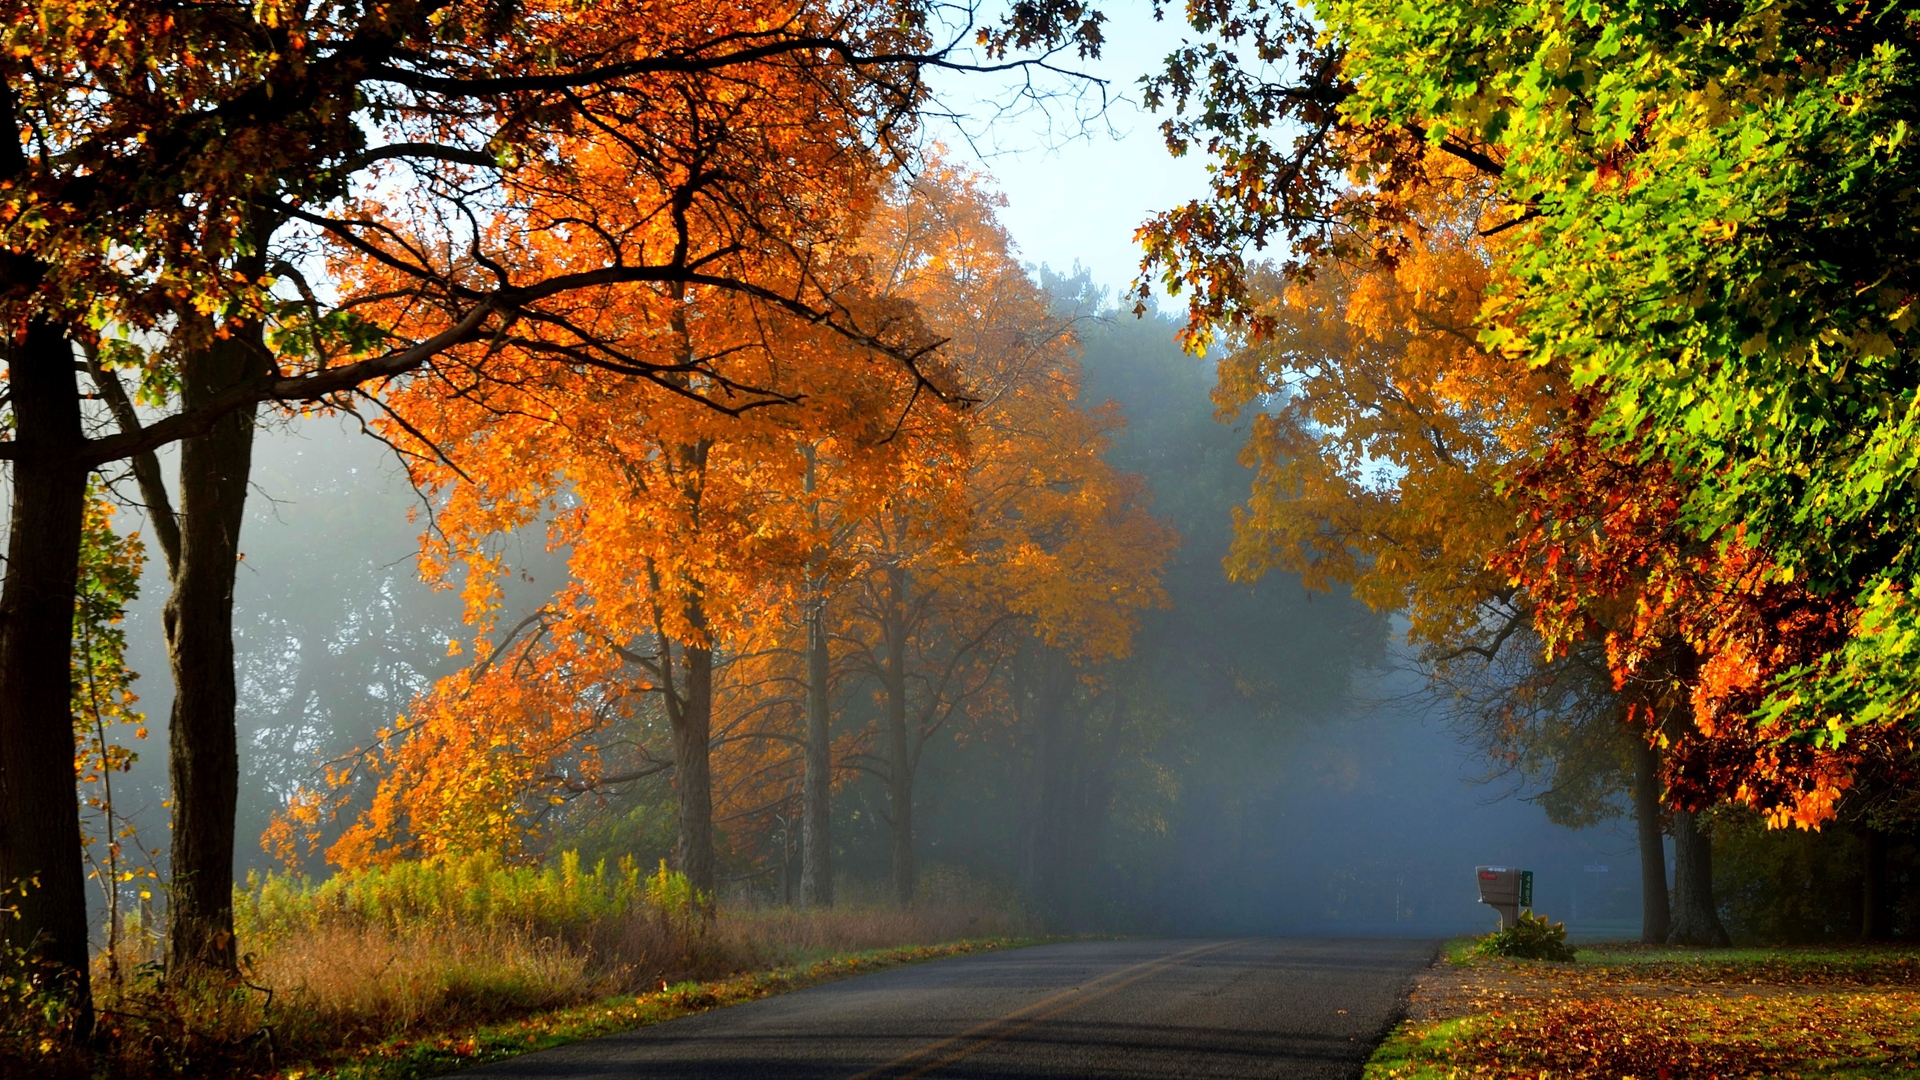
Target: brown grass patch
[{"x": 421, "y": 954}]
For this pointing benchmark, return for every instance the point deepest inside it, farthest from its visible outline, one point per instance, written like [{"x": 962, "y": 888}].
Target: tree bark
[
  {"x": 816, "y": 797},
  {"x": 1696, "y": 918},
  {"x": 1656, "y": 916},
  {"x": 692, "y": 720},
  {"x": 40, "y": 856},
  {"x": 203, "y": 761},
  {"x": 146, "y": 464},
  {"x": 899, "y": 746}
]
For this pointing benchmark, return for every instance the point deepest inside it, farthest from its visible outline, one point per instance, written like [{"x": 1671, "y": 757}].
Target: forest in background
[{"x": 333, "y": 644}]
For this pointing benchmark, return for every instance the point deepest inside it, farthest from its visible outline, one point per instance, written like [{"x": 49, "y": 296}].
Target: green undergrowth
[
  {"x": 476, "y": 892},
  {"x": 444, "y": 1052},
  {"x": 1533, "y": 937}
]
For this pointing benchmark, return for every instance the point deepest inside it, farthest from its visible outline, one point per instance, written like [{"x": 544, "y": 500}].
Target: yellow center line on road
[{"x": 1002, "y": 1027}]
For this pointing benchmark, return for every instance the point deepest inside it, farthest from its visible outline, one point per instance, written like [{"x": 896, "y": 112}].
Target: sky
[{"x": 1077, "y": 185}]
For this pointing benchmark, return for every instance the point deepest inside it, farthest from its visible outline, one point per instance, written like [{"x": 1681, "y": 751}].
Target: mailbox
[{"x": 1505, "y": 889}]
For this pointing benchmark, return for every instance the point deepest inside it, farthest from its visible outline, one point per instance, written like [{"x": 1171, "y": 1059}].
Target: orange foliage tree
[
  {"x": 1703, "y": 628},
  {"x": 1401, "y": 452},
  {"x": 617, "y": 384},
  {"x": 1030, "y": 533},
  {"x": 909, "y": 514},
  {"x": 176, "y": 164},
  {"x": 1396, "y": 454},
  {"x": 687, "y": 536}
]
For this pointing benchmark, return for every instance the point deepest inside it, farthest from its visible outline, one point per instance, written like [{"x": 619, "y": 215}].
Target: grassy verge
[
  {"x": 435, "y": 1054},
  {"x": 1628, "y": 1011},
  {"x": 1416, "y": 1051}
]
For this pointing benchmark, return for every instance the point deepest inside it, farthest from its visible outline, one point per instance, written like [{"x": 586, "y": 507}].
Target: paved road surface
[{"x": 1290, "y": 1007}]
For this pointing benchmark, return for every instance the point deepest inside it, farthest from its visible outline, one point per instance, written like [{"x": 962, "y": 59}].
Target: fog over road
[{"x": 1251, "y": 1007}]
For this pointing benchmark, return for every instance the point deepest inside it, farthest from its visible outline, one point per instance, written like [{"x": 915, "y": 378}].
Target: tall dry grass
[
  {"x": 434, "y": 947},
  {"x": 950, "y": 906}
]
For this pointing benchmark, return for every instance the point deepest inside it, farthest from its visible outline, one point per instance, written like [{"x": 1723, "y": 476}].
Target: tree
[
  {"x": 1556, "y": 721},
  {"x": 239, "y": 110},
  {"x": 1398, "y": 456},
  {"x": 1704, "y": 226},
  {"x": 917, "y": 526},
  {"x": 1697, "y": 631},
  {"x": 1027, "y": 531},
  {"x": 680, "y": 542},
  {"x": 103, "y": 700},
  {"x": 201, "y": 543}
]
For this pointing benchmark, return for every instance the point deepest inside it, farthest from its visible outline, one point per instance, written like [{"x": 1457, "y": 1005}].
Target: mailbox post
[{"x": 1506, "y": 890}]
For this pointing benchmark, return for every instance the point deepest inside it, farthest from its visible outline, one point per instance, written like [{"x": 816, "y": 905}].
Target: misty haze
[
  {"x": 857, "y": 539},
  {"x": 1283, "y": 772}
]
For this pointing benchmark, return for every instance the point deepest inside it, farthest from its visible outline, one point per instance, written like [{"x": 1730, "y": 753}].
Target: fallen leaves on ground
[{"x": 1709, "y": 1018}]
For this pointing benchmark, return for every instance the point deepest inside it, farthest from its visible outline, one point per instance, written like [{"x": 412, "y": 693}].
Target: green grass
[
  {"x": 1860, "y": 965},
  {"x": 1624, "y": 953},
  {"x": 1459, "y": 950},
  {"x": 1415, "y": 1051}
]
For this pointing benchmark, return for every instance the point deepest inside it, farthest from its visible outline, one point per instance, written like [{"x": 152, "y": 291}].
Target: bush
[
  {"x": 477, "y": 892},
  {"x": 1532, "y": 938},
  {"x": 1786, "y": 886}
]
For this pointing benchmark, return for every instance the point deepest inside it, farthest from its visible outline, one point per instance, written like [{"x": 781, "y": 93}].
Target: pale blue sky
[{"x": 1078, "y": 187}]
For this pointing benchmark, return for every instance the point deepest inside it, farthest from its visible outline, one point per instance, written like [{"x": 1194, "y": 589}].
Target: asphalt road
[{"x": 1257, "y": 1007}]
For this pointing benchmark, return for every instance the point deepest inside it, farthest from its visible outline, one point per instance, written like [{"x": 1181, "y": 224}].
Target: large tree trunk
[
  {"x": 899, "y": 745},
  {"x": 816, "y": 797},
  {"x": 1696, "y": 918},
  {"x": 692, "y": 775},
  {"x": 1656, "y": 917},
  {"x": 40, "y": 857},
  {"x": 690, "y": 708},
  {"x": 203, "y": 762}
]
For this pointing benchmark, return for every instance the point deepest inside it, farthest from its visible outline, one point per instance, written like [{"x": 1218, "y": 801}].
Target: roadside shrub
[
  {"x": 1532, "y": 938},
  {"x": 475, "y": 892}
]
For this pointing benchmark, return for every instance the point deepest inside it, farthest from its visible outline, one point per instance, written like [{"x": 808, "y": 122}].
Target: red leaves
[
  {"x": 1615, "y": 1039},
  {"x": 1705, "y": 1037},
  {"x": 1697, "y": 632}
]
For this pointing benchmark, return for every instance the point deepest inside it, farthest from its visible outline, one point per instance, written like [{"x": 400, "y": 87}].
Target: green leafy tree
[{"x": 103, "y": 703}]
